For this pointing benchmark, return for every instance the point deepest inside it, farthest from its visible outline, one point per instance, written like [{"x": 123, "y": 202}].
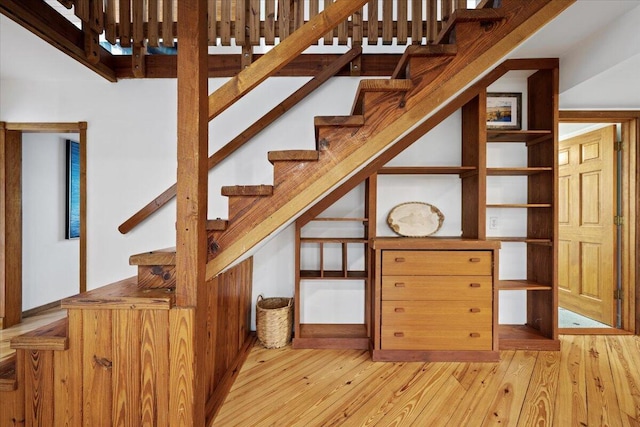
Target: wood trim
[{"x": 630, "y": 120}]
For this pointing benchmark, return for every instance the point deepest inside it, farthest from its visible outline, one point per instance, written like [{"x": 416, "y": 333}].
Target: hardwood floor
[
  {"x": 27, "y": 324},
  {"x": 592, "y": 381}
]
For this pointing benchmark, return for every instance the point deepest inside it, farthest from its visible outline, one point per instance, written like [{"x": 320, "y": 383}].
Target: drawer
[
  {"x": 443, "y": 288},
  {"x": 424, "y": 325},
  {"x": 436, "y": 263}
]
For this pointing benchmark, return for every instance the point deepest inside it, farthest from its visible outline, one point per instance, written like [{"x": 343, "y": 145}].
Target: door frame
[
  {"x": 11, "y": 213},
  {"x": 630, "y": 124}
]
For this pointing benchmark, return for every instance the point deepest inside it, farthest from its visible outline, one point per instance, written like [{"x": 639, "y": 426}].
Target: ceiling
[{"x": 611, "y": 82}]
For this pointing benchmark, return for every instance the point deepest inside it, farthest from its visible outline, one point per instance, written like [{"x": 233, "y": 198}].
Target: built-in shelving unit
[{"x": 539, "y": 207}]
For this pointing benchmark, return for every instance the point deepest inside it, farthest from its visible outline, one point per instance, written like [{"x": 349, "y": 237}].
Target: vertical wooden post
[
  {"x": 188, "y": 321},
  {"x": 82, "y": 127},
  {"x": 10, "y": 227}
]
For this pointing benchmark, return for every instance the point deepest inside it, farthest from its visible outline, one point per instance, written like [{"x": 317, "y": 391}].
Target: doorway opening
[
  {"x": 13, "y": 138},
  {"x": 597, "y": 231}
]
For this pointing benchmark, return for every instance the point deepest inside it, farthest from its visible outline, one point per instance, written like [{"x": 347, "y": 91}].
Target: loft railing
[{"x": 139, "y": 23}]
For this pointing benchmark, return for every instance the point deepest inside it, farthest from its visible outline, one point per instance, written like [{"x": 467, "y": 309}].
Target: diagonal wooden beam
[
  {"x": 257, "y": 127},
  {"x": 281, "y": 55},
  {"x": 43, "y": 21}
]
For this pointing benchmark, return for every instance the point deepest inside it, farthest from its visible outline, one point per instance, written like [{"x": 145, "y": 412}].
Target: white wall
[{"x": 50, "y": 262}]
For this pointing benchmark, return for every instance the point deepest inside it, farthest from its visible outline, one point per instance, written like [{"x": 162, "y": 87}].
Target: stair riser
[
  {"x": 283, "y": 171},
  {"x": 422, "y": 70},
  {"x": 383, "y": 103},
  {"x": 156, "y": 276}
]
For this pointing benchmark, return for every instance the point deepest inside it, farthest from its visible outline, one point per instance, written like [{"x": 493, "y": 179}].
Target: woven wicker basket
[{"x": 274, "y": 321}]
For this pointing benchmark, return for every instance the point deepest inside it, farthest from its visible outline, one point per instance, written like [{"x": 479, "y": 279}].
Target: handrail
[{"x": 246, "y": 135}]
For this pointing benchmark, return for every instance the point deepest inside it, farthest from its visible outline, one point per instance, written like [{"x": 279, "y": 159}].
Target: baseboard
[{"x": 37, "y": 310}]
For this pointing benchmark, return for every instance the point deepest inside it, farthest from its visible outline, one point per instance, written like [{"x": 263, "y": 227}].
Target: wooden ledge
[
  {"x": 293, "y": 156},
  {"x": 124, "y": 294},
  {"x": 158, "y": 257},
  {"x": 247, "y": 190},
  {"x": 48, "y": 337}
]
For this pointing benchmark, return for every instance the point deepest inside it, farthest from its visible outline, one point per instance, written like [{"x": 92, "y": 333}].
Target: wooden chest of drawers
[{"x": 435, "y": 301}]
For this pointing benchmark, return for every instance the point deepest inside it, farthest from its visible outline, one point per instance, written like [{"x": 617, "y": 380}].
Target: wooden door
[{"x": 586, "y": 203}]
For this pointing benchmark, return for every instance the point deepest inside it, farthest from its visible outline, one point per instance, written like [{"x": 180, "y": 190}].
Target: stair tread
[
  {"x": 123, "y": 294},
  {"x": 165, "y": 256},
  {"x": 293, "y": 155},
  {"x": 8, "y": 378},
  {"x": 247, "y": 190},
  {"x": 48, "y": 337},
  {"x": 413, "y": 51},
  {"x": 216, "y": 225},
  {"x": 378, "y": 85},
  {"x": 468, "y": 15}
]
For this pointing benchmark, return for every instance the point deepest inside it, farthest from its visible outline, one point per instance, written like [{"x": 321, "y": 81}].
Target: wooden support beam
[
  {"x": 43, "y": 21},
  {"x": 187, "y": 384},
  {"x": 245, "y": 136},
  {"x": 280, "y": 55}
]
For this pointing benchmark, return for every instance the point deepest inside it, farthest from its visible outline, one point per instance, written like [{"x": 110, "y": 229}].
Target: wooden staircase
[
  {"x": 383, "y": 109},
  {"x": 113, "y": 360}
]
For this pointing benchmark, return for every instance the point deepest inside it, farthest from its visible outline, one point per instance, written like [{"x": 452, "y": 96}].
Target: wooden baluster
[
  {"x": 432, "y": 20},
  {"x": 284, "y": 18},
  {"x": 314, "y": 9},
  {"x": 167, "y": 23},
  {"x": 153, "y": 35},
  {"x": 138, "y": 49},
  {"x": 270, "y": 22},
  {"x": 343, "y": 32},
  {"x": 356, "y": 21},
  {"x": 416, "y": 21},
  {"x": 82, "y": 10},
  {"x": 254, "y": 22},
  {"x": 110, "y": 22},
  {"x": 460, "y": 4},
  {"x": 212, "y": 25},
  {"x": 372, "y": 24},
  {"x": 345, "y": 268},
  {"x": 298, "y": 13},
  {"x": 387, "y": 21},
  {"x": 328, "y": 38},
  {"x": 321, "y": 259},
  {"x": 240, "y": 21},
  {"x": 124, "y": 24},
  {"x": 225, "y": 23},
  {"x": 446, "y": 10},
  {"x": 402, "y": 22},
  {"x": 96, "y": 15}
]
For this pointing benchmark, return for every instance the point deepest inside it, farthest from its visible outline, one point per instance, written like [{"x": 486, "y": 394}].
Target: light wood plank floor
[{"x": 592, "y": 381}]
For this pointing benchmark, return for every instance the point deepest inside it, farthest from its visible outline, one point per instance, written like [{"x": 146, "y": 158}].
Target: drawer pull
[
  {"x": 399, "y": 285},
  {"x": 400, "y": 259},
  {"x": 398, "y": 334},
  {"x": 474, "y": 285},
  {"x": 474, "y": 310},
  {"x": 474, "y": 260},
  {"x": 399, "y": 310},
  {"x": 474, "y": 335}
]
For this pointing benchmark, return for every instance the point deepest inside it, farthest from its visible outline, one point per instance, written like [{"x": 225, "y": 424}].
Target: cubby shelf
[
  {"x": 527, "y": 240},
  {"x": 517, "y": 171},
  {"x": 426, "y": 170},
  {"x": 529, "y": 136},
  {"x": 519, "y": 205},
  {"x": 523, "y": 337},
  {"x": 332, "y": 274},
  {"x": 522, "y": 285}
]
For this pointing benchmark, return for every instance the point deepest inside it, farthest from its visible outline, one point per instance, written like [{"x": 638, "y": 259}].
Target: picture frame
[
  {"x": 504, "y": 110},
  {"x": 72, "y": 220}
]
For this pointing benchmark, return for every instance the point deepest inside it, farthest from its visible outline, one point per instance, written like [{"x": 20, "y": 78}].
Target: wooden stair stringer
[{"x": 477, "y": 52}]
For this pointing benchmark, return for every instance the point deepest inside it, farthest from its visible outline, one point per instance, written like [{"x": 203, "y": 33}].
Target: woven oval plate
[{"x": 415, "y": 219}]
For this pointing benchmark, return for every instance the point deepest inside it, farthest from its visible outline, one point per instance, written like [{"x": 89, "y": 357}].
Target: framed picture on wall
[
  {"x": 72, "y": 225},
  {"x": 504, "y": 111}
]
